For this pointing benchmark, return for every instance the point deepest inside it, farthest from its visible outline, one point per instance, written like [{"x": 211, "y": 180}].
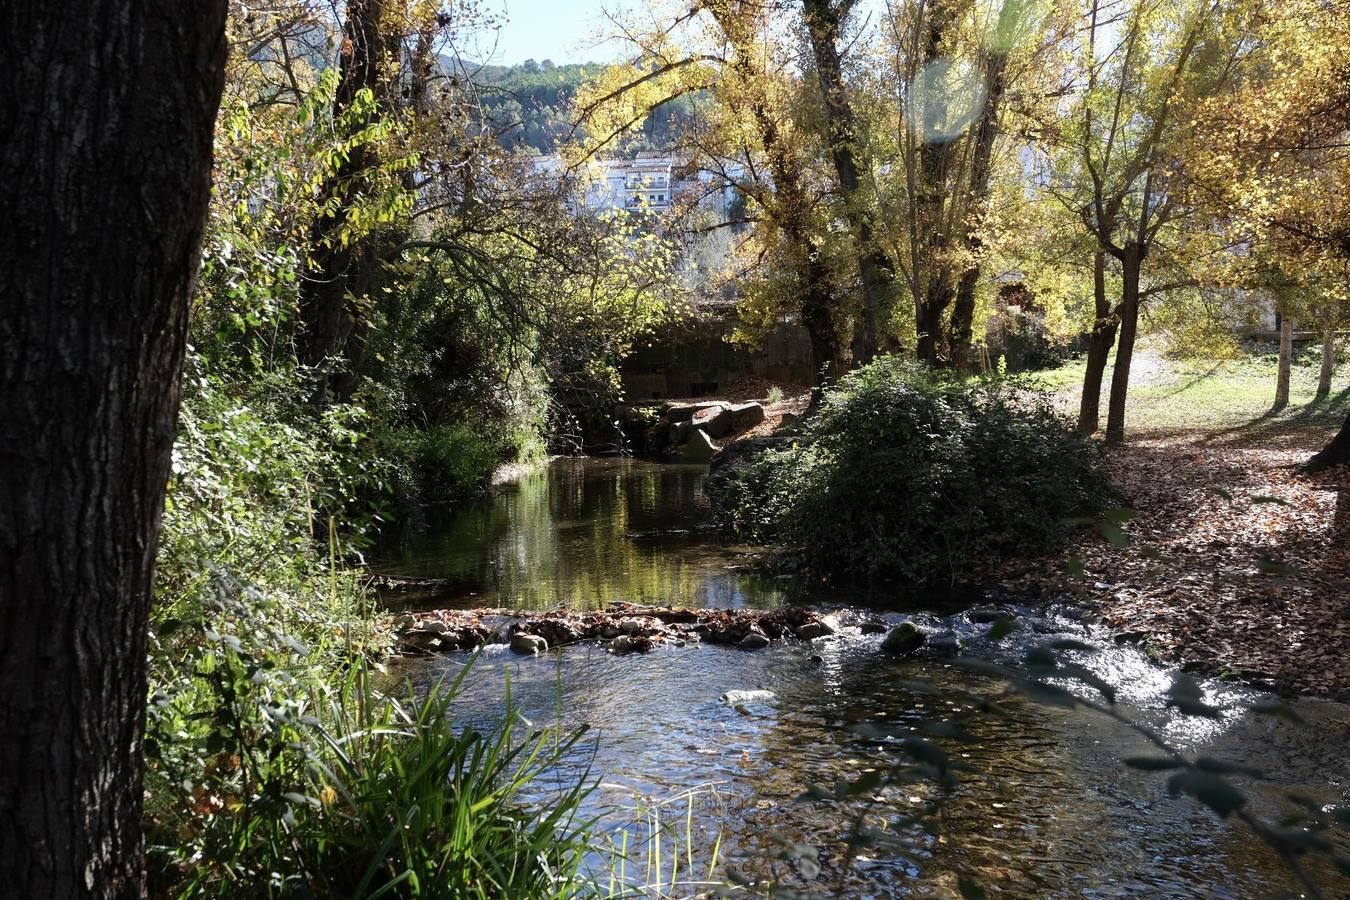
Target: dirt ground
[{"x": 1232, "y": 562}]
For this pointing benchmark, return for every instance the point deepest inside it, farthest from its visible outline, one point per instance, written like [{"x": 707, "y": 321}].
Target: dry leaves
[{"x": 1235, "y": 564}]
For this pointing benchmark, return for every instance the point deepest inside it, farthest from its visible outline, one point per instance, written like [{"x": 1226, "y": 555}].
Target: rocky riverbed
[{"x": 632, "y": 628}]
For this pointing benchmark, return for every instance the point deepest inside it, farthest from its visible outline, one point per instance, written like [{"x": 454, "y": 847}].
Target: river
[{"x": 1045, "y": 809}]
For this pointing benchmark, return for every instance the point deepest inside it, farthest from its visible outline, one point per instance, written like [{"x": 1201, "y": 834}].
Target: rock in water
[
  {"x": 528, "y": 644},
  {"x": 945, "y": 643},
  {"x": 812, "y": 630},
  {"x": 735, "y": 698},
  {"x": 753, "y": 641},
  {"x": 699, "y": 448},
  {"x": 903, "y": 639}
]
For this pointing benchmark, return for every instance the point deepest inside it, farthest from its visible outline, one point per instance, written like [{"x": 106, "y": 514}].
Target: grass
[{"x": 1228, "y": 402}]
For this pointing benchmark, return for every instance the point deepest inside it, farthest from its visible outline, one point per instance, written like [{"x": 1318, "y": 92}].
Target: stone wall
[{"x": 695, "y": 359}]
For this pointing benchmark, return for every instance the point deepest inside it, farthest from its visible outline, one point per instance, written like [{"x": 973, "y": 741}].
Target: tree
[
  {"x": 1273, "y": 162},
  {"x": 824, "y": 20},
  {"x": 331, "y": 338},
  {"x": 105, "y": 170},
  {"x": 1142, "y": 68},
  {"x": 748, "y": 137},
  {"x": 944, "y": 93}
]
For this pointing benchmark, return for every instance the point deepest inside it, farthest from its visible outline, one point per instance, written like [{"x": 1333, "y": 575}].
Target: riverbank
[{"x": 1234, "y": 563}]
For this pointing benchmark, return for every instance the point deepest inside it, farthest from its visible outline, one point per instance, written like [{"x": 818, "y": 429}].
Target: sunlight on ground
[{"x": 1229, "y": 401}]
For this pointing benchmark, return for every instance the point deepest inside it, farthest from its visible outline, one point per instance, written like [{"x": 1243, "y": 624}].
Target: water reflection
[
  {"x": 1046, "y": 810},
  {"x": 583, "y": 533}
]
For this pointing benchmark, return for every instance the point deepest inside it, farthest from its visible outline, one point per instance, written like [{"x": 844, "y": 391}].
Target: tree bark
[
  {"x": 791, "y": 207},
  {"x": 1099, "y": 348},
  {"x": 1131, "y": 262},
  {"x": 1286, "y": 358},
  {"x": 981, "y": 170},
  {"x": 936, "y": 286},
  {"x": 332, "y": 316},
  {"x": 1336, "y": 453},
  {"x": 875, "y": 269},
  {"x": 106, "y": 122},
  {"x": 1328, "y": 360}
]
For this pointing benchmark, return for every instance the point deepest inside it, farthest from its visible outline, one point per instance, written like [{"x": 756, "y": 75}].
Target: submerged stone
[
  {"x": 903, "y": 639},
  {"x": 528, "y": 644},
  {"x": 753, "y": 641}
]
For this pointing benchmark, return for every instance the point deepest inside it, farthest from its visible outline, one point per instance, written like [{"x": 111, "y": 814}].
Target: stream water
[{"x": 1044, "y": 810}]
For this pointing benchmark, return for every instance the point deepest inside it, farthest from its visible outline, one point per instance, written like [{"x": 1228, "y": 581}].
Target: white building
[{"x": 648, "y": 183}]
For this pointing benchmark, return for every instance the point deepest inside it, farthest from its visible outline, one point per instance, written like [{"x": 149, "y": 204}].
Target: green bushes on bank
[
  {"x": 273, "y": 773},
  {"x": 906, "y": 475}
]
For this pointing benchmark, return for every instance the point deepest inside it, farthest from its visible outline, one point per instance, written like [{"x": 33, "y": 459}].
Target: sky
[{"x": 560, "y": 30}]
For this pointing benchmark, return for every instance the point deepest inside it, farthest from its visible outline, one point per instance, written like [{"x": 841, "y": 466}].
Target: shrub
[
  {"x": 903, "y": 475},
  {"x": 273, "y": 774}
]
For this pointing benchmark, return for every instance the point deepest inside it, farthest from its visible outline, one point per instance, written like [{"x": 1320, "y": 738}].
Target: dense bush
[
  {"x": 906, "y": 476},
  {"x": 273, "y": 774}
]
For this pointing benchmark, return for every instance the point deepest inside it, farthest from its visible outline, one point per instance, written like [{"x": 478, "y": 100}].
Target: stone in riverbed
[
  {"x": 699, "y": 448},
  {"x": 753, "y": 641},
  {"x": 812, "y": 630},
  {"x": 904, "y": 639},
  {"x": 528, "y": 644},
  {"x": 945, "y": 643}
]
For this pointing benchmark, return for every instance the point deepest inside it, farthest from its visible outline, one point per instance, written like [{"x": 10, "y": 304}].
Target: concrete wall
[{"x": 695, "y": 360}]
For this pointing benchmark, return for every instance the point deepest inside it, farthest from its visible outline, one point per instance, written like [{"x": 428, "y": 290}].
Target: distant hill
[{"x": 531, "y": 103}]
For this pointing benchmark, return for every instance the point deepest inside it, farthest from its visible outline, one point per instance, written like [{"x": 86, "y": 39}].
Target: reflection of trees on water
[{"x": 585, "y": 532}]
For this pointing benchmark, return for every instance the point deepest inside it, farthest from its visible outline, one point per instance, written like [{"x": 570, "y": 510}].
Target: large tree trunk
[
  {"x": 106, "y": 122},
  {"x": 790, "y": 207},
  {"x": 1328, "y": 360},
  {"x": 875, "y": 269},
  {"x": 981, "y": 171},
  {"x": 1336, "y": 453},
  {"x": 1099, "y": 348},
  {"x": 332, "y": 316},
  {"x": 1130, "y": 264},
  {"x": 931, "y": 219},
  {"x": 1285, "y": 364}
]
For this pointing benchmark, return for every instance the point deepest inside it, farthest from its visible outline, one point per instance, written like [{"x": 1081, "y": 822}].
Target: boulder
[
  {"x": 904, "y": 639},
  {"x": 621, "y": 645},
  {"x": 422, "y": 641},
  {"x": 679, "y": 433},
  {"x": 699, "y": 448},
  {"x": 945, "y": 643},
  {"x": 812, "y": 630},
  {"x": 745, "y": 415},
  {"x": 788, "y": 421},
  {"x": 717, "y": 421},
  {"x": 753, "y": 641},
  {"x": 986, "y": 615},
  {"x": 872, "y": 626},
  {"x": 528, "y": 644},
  {"x": 630, "y": 626},
  {"x": 683, "y": 412}
]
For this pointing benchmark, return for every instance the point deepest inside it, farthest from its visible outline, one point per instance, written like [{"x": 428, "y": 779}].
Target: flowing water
[{"x": 1044, "y": 808}]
